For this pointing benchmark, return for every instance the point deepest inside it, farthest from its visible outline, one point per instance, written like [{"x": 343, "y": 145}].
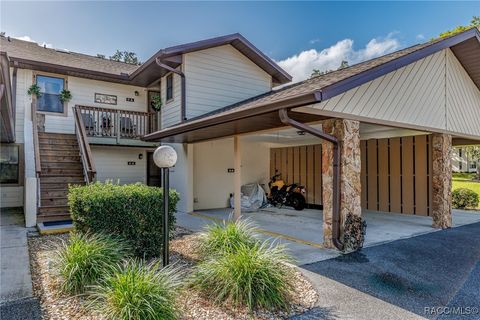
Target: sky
[{"x": 300, "y": 36}]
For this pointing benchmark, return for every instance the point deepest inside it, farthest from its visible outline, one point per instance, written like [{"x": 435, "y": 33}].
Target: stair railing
[
  {"x": 36, "y": 149},
  {"x": 85, "y": 152}
]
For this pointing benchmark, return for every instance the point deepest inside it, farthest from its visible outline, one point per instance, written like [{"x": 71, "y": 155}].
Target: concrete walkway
[{"x": 16, "y": 295}]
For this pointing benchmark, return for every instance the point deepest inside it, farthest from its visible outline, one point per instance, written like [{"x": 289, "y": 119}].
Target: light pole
[{"x": 165, "y": 157}]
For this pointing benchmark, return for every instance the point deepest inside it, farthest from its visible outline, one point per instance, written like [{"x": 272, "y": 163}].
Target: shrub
[
  {"x": 134, "y": 212},
  {"x": 86, "y": 258},
  {"x": 138, "y": 291},
  {"x": 464, "y": 198},
  {"x": 219, "y": 238},
  {"x": 253, "y": 276}
]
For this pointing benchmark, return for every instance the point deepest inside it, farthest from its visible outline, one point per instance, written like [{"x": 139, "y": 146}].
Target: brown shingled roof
[
  {"x": 317, "y": 89},
  {"x": 31, "y": 51}
]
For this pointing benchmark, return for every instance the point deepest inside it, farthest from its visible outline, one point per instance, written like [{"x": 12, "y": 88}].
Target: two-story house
[{"x": 49, "y": 141}]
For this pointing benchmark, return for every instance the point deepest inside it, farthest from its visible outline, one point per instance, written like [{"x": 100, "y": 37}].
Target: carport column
[
  {"x": 237, "y": 181},
  {"x": 441, "y": 180},
  {"x": 348, "y": 134}
]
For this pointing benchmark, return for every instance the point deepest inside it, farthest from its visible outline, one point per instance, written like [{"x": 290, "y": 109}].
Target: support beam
[
  {"x": 441, "y": 181},
  {"x": 348, "y": 134},
  {"x": 237, "y": 181}
]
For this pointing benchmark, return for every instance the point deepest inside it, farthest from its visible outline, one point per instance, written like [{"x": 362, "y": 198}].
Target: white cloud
[
  {"x": 313, "y": 41},
  {"x": 420, "y": 37},
  {"x": 27, "y": 38},
  {"x": 300, "y": 66}
]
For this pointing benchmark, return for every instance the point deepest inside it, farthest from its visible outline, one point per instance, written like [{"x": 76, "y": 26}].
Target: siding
[
  {"x": 111, "y": 164},
  {"x": 413, "y": 94},
  {"x": 463, "y": 99},
  {"x": 83, "y": 93},
  {"x": 170, "y": 112},
  {"x": 220, "y": 76}
]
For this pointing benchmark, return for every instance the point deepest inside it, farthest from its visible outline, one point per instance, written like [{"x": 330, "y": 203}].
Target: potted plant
[
  {"x": 34, "y": 90},
  {"x": 65, "y": 96},
  {"x": 156, "y": 103}
]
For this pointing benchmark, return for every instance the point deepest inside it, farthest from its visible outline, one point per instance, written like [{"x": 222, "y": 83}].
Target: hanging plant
[
  {"x": 34, "y": 90},
  {"x": 65, "y": 95},
  {"x": 156, "y": 103}
]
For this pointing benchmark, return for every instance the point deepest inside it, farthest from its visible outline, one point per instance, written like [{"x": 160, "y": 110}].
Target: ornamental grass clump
[
  {"x": 138, "y": 291},
  {"x": 225, "y": 237},
  {"x": 255, "y": 276},
  {"x": 85, "y": 259}
]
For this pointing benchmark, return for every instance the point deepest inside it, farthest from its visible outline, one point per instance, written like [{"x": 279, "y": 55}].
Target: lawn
[{"x": 464, "y": 180}]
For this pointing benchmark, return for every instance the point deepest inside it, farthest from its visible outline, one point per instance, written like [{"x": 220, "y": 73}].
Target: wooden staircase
[{"x": 61, "y": 165}]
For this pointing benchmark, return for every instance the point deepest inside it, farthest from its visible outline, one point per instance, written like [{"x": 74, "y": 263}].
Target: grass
[
  {"x": 86, "y": 259},
  {"x": 464, "y": 180},
  {"x": 237, "y": 268},
  {"x": 138, "y": 291},
  {"x": 220, "y": 238}
]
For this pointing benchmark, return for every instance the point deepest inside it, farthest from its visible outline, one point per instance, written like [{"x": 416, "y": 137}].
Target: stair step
[
  {"x": 56, "y": 147},
  {"x": 59, "y": 158},
  {"x": 54, "y": 141},
  {"x": 53, "y": 193},
  {"x": 56, "y": 153},
  {"x": 62, "y": 172},
  {"x": 56, "y": 217},
  {"x": 59, "y": 185},
  {"x": 60, "y": 165},
  {"x": 53, "y": 210},
  {"x": 54, "y": 201},
  {"x": 66, "y": 136},
  {"x": 64, "y": 179}
]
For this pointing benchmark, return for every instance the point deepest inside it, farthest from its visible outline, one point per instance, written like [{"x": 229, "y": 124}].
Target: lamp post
[{"x": 165, "y": 157}]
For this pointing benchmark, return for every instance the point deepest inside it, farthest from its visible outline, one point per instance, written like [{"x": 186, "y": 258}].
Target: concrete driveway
[
  {"x": 302, "y": 231},
  {"x": 434, "y": 276}
]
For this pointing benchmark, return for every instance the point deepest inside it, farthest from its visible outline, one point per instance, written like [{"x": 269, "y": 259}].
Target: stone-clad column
[
  {"x": 348, "y": 134},
  {"x": 442, "y": 181}
]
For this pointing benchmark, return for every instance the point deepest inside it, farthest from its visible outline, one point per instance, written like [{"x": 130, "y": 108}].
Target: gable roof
[
  {"x": 465, "y": 45},
  {"x": 33, "y": 56}
]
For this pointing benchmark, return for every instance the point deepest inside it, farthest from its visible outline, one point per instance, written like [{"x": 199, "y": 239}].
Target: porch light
[{"x": 165, "y": 157}]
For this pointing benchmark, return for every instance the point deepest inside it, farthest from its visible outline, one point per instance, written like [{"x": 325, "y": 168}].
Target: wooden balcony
[{"x": 117, "y": 127}]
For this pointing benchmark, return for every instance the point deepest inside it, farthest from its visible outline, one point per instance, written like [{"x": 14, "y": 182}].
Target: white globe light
[{"x": 165, "y": 157}]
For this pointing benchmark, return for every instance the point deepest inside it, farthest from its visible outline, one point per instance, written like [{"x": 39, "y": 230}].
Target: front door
[{"x": 154, "y": 174}]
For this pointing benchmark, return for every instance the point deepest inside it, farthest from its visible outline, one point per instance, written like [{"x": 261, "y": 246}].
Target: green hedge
[
  {"x": 133, "y": 212},
  {"x": 464, "y": 198}
]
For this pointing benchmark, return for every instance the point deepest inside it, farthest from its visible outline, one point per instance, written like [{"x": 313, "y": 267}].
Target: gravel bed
[{"x": 54, "y": 305}]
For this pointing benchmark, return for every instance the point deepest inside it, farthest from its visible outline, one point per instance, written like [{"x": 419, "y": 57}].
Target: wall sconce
[
  {"x": 140, "y": 156},
  {"x": 137, "y": 93}
]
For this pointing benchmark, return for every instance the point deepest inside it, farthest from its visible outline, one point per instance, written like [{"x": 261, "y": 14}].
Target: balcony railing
[{"x": 118, "y": 124}]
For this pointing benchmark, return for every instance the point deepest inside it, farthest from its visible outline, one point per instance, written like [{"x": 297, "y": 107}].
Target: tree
[
  {"x": 473, "y": 153},
  {"x": 125, "y": 56},
  {"x": 317, "y": 72},
  {"x": 475, "y": 22}
]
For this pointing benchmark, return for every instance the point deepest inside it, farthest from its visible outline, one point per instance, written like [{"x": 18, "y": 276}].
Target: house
[
  {"x": 462, "y": 162},
  {"x": 375, "y": 136}
]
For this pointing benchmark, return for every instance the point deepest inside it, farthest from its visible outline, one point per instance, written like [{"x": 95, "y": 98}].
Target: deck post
[{"x": 237, "y": 178}]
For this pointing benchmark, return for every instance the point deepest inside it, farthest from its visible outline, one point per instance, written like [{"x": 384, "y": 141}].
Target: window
[
  {"x": 460, "y": 153},
  {"x": 169, "y": 87},
  {"x": 473, "y": 165},
  {"x": 50, "y": 89},
  {"x": 9, "y": 164}
]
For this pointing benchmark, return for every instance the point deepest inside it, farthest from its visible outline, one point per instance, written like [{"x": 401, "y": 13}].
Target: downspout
[
  {"x": 283, "y": 113},
  {"x": 14, "y": 92},
  {"x": 161, "y": 64}
]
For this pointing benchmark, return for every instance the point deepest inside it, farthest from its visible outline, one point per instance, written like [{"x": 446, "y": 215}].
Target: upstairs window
[
  {"x": 169, "y": 87},
  {"x": 9, "y": 164},
  {"x": 50, "y": 89}
]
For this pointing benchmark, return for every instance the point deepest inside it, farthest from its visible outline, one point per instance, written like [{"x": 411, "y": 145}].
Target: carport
[{"x": 417, "y": 102}]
